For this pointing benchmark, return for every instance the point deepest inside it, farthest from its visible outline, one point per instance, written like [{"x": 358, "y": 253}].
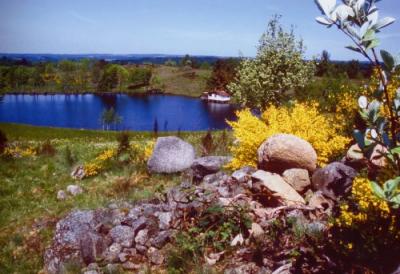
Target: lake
[{"x": 138, "y": 112}]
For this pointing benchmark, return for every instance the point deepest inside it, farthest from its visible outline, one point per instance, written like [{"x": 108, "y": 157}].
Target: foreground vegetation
[{"x": 29, "y": 208}]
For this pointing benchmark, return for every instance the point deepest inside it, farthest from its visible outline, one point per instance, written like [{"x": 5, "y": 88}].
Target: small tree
[
  {"x": 109, "y": 117},
  {"x": 277, "y": 68}
]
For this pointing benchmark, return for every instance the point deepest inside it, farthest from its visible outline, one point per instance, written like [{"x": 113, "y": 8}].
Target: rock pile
[{"x": 134, "y": 235}]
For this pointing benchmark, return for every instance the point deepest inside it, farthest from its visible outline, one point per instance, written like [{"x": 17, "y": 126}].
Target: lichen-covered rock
[
  {"x": 77, "y": 240},
  {"x": 171, "y": 155},
  {"x": 208, "y": 165},
  {"x": 74, "y": 190},
  {"x": 278, "y": 188},
  {"x": 123, "y": 235},
  {"x": 298, "y": 178},
  {"x": 244, "y": 174},
  {"x": 78, "y": 173},
  {"x": 334, "y": 180},
  {"x": 285, "y": 151}
]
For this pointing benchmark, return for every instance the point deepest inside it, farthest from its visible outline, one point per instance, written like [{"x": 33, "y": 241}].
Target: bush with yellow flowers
[
  {"x": 142, "y": 151},
  {"x": 366, "y": 225},
  {"x": 100, "y": 163},
  {"x": 19, "y": 151},
  {"x": 302, "y": 119}
]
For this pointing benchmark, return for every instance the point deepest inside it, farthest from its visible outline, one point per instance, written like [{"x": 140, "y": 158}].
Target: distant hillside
[{"x": 117, "y": 58}]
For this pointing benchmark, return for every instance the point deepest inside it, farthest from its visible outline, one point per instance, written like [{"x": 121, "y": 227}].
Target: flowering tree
[
  {"x": 278, "y": 67},
  {"x": 359, "y": 20}
]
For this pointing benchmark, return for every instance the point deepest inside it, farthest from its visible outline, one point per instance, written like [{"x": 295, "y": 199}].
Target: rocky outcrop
[
  {"x": 133, "y": 236},
  {"x": 334, "y": 180},
  {"x": 208, "y": 165},
  {"x": 170, "y": 155},
  {"x": 285, "y": 151},
  {"x": 278, "y": 188}
]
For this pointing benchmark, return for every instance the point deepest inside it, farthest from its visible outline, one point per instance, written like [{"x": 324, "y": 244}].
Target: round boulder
[
  {"x": 170, "y": 155},
  {"x": 285, "y": 151}
]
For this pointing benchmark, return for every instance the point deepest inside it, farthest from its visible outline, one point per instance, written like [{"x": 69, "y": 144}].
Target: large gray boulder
[
  {"x": 334, "y": 180},
  {"x": 208, "y": 165},
  {"x": 285, "y": 151},
  {"x": 170, "y": 155},
  {"x": 76, "y": 240}
]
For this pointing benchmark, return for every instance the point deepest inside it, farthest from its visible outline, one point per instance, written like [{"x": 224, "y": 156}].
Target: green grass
[
  {"x": 182, "y": 81},
  {"x": 29, "y": 208}
]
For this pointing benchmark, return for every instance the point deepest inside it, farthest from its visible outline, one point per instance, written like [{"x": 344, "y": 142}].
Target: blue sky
[{"x": 198, "y": 27}]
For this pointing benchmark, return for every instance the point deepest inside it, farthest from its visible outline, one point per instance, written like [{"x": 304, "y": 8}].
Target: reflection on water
[{"x": 139, "y": 112}]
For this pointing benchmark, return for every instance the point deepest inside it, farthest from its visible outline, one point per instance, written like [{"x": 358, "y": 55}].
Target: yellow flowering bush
[
  {"x": 303, "y": 120},
  {"x": 365, "y": 222},
  {"x": 92, "y": 169},
  {"x": 99, "y": 163},
  {"x": 17, "y": 152},
  {"x": 142, "y": 151},
  {"x": 148, "y": 149},
  {"x": 106, "y": 155}
]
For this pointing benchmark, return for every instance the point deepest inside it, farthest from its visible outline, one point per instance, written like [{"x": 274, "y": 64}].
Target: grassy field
[
  {"x": 182, "y": 81},
  {"x": 29, "y": 208}
]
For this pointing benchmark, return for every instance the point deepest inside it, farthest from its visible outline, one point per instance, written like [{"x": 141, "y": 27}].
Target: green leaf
[
  {"x": 369, "y": 36},
  {"x": 391, "y": 185},
  {"x": 373, "y": 44},
  {"x": 396, "y": 201},
  {"x": 378, "y": 191},
  {"x": 360, "y": 139},
  {"x": 353, "y": 49},
  {"x": 395, "y": 150},
  {"x": 388, "y": 60}
]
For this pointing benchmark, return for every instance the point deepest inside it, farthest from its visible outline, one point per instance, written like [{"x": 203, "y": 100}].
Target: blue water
[{"x": 139, "y": 112}]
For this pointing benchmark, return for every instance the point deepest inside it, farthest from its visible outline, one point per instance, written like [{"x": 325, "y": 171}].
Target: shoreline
[{"x": 98, "y": 93}]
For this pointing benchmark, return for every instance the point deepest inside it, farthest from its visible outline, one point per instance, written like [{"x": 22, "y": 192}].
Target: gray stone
[
  {"x": 61, "y": 195},
  {"x": 91, "y": 272},
  {"x": 131, "y": 266},
  {"x": 111, "y": 254},
  {"x": 142, "y": 237},
  {"x": 165, "y": 219},
  {"x": 334, "y": 180},
  {"x": 170, "y": 155},
  {"x": 208, "y": 165},
  {"x": 123, "y": 235},
  {"x": 285, "y": 151},
  {"x": 74, "y": 190},
  {"x": 78, "y": 173},
  {"x": 244, "y": 174},
  {"x": 214, "y": 179},
  {"x": 123, "y": 257},
  {"x": 297, "y": 178},
  {"x": 155, "y": 256},
  {"x": 141, "y": 249},
  {"x": 76, "y": 239},
  {"x": 161, "y": 239},
  {"x": 139, "y": 224},
  {"x": 320, "y": 201}
]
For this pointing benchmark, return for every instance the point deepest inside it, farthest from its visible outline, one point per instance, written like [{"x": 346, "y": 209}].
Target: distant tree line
[
  {"x": 72, "y": 76},
  {"x": 352, "y": 69}
]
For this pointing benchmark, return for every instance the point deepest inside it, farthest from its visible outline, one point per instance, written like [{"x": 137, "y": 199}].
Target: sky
[{"x": 196, "y": 27}]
